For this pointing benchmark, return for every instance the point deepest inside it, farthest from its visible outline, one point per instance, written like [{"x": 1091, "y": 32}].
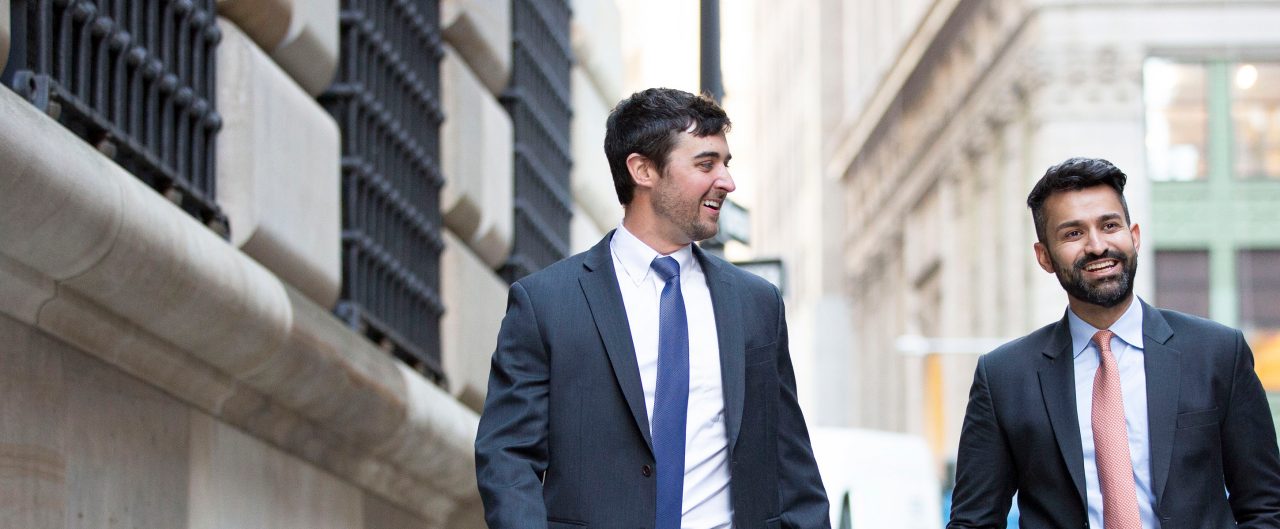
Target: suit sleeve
[
  {"x": 1251, "y": 466},
  {"x": 985, "y": 479},
  {"x": 511, "y": 443},
  {"x": 803, "y": 498}
]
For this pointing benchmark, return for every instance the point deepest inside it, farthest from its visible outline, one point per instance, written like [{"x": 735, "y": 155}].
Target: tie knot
[
  {"x": 1103, "y": 339},
  {"x": 666, "y": 267}
]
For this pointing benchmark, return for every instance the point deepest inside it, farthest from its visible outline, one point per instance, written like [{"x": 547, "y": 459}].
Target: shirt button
[{"x": 646, "y": 470}]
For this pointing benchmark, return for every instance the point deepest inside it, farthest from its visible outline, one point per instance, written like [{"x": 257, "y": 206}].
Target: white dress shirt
[
  {"x": 706, "y": 467},
  {"x": 1127, "y": 347}
]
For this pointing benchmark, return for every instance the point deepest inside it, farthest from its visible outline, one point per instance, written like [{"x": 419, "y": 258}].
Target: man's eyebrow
[
  {"x": 1075, "y": 223},
  {"x": 709, "y": 154},
  {"x": 1068, "y": 224}
]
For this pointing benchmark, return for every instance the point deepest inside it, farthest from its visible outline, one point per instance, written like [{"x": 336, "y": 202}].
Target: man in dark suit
[
  {"x": 1120, "y": 415},
  {"x": 644, "y": 383}
]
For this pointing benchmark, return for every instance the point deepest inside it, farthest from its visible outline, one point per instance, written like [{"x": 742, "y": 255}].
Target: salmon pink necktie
[{"x": 1111, "y": 442}]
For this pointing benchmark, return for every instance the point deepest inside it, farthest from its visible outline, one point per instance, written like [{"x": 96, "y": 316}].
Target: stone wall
[{"x": 156, "y": 375}]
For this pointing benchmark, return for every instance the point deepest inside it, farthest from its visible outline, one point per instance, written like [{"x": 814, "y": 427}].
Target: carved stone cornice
[
  {"x": 947, "y": 116},
  {"x": 1085, "y": 80}
]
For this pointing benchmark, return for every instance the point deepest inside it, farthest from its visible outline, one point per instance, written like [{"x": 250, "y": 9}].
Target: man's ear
[
  {"x": 1043, "y": 257},
  {"x": 643, "y": 173}
]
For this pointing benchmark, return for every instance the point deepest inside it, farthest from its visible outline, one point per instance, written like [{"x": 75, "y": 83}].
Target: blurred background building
[
  {"x": 254, "y": 254},
  {"x": 898, "y": 140}
]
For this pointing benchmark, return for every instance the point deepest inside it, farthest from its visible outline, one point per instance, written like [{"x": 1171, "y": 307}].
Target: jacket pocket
[
  {"x": 773, "y": 523},
  {"x": 1193, "y": 419},
  {"x": 761, "y": 354},
  {"x": 564, "y": 524}
]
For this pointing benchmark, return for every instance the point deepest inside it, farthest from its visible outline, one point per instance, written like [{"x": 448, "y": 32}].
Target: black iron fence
[
  {"x": 133, "y": 78},
  {"x": 386, "y": 99},
  {"x": 539, "y": 104}
]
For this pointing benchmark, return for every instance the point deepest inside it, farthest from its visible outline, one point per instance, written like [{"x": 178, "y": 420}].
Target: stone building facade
[{"x": 157, "y": 373}]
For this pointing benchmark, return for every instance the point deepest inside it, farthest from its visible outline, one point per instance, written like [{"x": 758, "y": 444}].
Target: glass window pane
[
  {"x": 1182, "y": 281},
  {"x": 1177, "y": 119},
  {"x": 1255, "y": 119},
  {"x": 1258, "y": 272}
]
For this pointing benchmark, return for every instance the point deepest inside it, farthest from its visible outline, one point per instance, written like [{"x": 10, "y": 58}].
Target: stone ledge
[
  {"x": 265, "y": 21},
  {"x": 475, "y": 145},
  {"x": 309, "y": 51},
  {"x": 594, "y": 31},
  {"x": 590, "y": 178},
  {"x": 93, "y": 257},
  {"x": 300, "y": 35},
  {"x": 480, "y": 31},
  {"x": 477, "y": 301},
  {"x": 279, "y": 170}
]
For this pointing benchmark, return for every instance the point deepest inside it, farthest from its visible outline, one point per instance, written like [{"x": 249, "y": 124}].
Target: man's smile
[{"x": 1102, "y": 266}]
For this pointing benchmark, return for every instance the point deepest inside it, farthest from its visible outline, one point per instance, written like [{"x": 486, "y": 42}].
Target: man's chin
[
  {"x": 1107, "y": 299},
  {"x": 704, "y": 233}
]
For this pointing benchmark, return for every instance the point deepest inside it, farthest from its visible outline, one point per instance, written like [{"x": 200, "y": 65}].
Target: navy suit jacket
[
  {"x": 564, "y": 438},
  {"x": 1210, "y": 431}
]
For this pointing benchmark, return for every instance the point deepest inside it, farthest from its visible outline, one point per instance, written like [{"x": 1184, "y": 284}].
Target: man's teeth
[
  {"x": 711, "y": 204},
  {"x": 1094, "y": 267}
]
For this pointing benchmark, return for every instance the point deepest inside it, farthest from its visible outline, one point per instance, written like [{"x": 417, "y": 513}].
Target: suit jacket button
[{"x": 646, "y": 470}]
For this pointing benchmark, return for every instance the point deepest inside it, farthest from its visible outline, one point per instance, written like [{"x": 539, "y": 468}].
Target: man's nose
[
  {"x": 1093, "y": 244},
  {"x": 725, "y": 182}
]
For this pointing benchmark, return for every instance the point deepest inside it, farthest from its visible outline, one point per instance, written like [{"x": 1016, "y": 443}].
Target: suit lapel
[
  {"x": 728, "y": 313},
  {"x": 600, "y": 285},
  {"x": 1058, "y": 386},
  {"x": 1163, "y": 368}
]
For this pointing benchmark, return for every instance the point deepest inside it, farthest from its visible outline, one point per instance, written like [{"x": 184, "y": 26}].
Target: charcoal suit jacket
[
  {"x": 564, "y": 438},
  {"x": 1210, "y": 431}
]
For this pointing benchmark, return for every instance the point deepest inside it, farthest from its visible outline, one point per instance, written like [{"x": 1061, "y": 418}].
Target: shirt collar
[
  {"x": 1128, "y": 328},
  {"x": 635, "y": 256}
]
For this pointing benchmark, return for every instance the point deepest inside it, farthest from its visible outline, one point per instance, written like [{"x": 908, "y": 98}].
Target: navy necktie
[{"x": 671, "y": 399}]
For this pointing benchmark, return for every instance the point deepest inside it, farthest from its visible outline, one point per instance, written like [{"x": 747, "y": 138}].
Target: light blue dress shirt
[{"x": 1127, "y": 347}]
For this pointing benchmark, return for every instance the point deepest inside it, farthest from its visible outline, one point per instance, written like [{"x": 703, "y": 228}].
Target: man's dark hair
[
  {"x": 648, "y": 123},
  {"x": 1073, "y": 175}
]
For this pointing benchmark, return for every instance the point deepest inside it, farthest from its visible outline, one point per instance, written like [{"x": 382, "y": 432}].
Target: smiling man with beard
[
  {"x": 1120, "y": 415},
  {"x": 645, "y": 383}
]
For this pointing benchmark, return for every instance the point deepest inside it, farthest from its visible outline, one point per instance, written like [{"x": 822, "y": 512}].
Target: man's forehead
[
  {"x": 713, "y": 142},
  {"x": 1083, "y": 204}
]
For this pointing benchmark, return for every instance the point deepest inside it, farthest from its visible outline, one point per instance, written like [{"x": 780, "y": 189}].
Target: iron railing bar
[
  {"x": 542, "y": 177},
  {"x": 541, "y": 230}
]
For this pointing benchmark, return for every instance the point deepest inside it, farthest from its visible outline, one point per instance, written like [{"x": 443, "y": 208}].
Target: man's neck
[
  {"x": 1096, "y": 315},
  {"x": 648, "y": 233}
]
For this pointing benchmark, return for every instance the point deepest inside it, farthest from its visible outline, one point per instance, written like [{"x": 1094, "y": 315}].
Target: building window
[
  {"x": 1182, "y": 281},
  {"x": 538, "y": 101},
  {"x": 386, "y": 98},
  {"x": 1255, "y": 119},
  {"x": 1212, "y": 117},
  {"x": 1177, "y": 119},
  {"x": 1258, "y": 272},
  {"x": 134, "y": 79}
]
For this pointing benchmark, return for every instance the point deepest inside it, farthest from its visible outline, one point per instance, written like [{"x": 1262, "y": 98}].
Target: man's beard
[
  {"x": 666, "y": 203},
  {"x": 1107, "y": 292}
]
